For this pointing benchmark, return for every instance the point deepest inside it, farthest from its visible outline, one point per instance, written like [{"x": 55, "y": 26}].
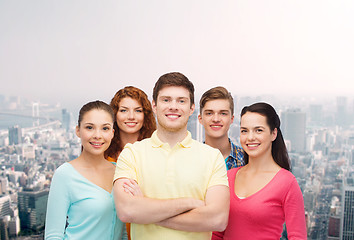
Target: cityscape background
[
  {"x": 36, "y": 138},
  {"x": 57, "y": 55}
]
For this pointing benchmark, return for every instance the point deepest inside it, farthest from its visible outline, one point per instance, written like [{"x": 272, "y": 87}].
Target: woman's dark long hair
[{"x": 279, "y": 152}]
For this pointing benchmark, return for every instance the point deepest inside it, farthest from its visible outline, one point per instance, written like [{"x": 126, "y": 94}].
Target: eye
[
  {"x": 106, "y": 128},
  {"x": 224, "y": 114},
  {"x": 139, "y": 110},
  {"x": 243, "y": 131},
  {"x": 165, "y": 99},
  {"x": 259, "y": 130},
  {"x": 208, "y": 113},
  {"x": 89, "y": 127},
  {"x": 122, "y": 110},
  {"x": 182, "y": 101}
]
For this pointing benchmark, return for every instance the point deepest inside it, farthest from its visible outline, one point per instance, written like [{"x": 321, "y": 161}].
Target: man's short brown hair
[
  {"x": 214, "y": 94},
  {"x": 173, "y": 79}
]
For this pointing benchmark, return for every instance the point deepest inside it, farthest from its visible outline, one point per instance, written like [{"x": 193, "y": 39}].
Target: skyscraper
[
  {"x": 195, "y": 127},
  {"x": 15, "y": 135},
  {"x": 32, "y": 206},
  {"x": 293, "y": 127},
  {"x": 347, "y": 223},
  {"x": 65, "y": 119},
  {"x": 341, "y": 115},
  {"x": 316, "y": 117},
  {"x": 5, "y": 206}
]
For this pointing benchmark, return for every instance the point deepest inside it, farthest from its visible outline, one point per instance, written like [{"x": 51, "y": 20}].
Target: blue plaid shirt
[{"x": 236, "y": 157}]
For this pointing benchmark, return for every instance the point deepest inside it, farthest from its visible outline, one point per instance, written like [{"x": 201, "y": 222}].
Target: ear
[
  {"x": 192, "y": 109},
  {"x": 232, "y": 118},
  {"x": 274, "y": 134},
  {"x": 200, "y": 118},
  {"x": 77, "y": 131},
  {"x": 153, "y": 103},
  {"x": 112, "y": 133}
]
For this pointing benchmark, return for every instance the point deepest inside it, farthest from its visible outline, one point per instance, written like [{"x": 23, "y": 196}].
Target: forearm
[
  {"x": 211, "y": 217},
  {"x": 201, "y": 219},
  {"x": 143, "y": 210}
]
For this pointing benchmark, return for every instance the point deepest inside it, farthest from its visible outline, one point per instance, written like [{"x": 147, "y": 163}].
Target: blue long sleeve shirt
[{"x": 79, "y": 209}]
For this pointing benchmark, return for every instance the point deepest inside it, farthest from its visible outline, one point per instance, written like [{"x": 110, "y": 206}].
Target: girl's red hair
[{"x": 149, "y": 124}]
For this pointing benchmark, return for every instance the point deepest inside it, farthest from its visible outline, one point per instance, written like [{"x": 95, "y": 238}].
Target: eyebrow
[
  {"x": 212, "y": 110},
  {"x": 88, "y": 123},
  {"x": 172, "y": 97},
  {"x": 128, "y": 107},
  {"x": 254, "y": 127}
]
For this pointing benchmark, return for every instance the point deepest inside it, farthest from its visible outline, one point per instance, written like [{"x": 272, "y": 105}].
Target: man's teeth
[{"x": 172, "y": 116}]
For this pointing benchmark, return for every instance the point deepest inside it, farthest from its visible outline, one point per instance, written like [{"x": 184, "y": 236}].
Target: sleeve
[
  {"x": 217, "y": 236},
  {"x": 295, "y": 212},
  {"x": 125, "y": 167},
  {"x": 219, "y": 172},
  {"x": 57, "y": 206},
  {"x": 124, "y": 233}
]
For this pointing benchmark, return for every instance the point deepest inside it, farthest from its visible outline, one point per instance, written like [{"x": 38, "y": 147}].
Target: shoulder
[
  {"x": 235, "y": 147},
  {"x": 139, "y": 144},
  {"x": 232, "y": 172},
  {"x": 63, "y": 170},
  {"x": 286, "y": 175},
  {"x": 287, "y": 180},
  {"x": 203, "y": 146}
]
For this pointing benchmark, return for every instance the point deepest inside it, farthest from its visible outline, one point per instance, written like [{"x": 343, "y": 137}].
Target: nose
[
  {"x": 131, "y": 115},
  {"x": 250, "y": 135},
  {"x": 97, "y": 134},
  {"x": 215, "y": 117},
  {"x": 173, "y": 104}
]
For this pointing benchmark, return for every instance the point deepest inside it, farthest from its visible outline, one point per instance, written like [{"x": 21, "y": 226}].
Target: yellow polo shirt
[{"x": 186, "y": 170}]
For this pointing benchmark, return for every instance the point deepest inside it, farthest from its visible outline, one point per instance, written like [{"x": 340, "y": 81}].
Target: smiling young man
[
  {"x": 216, "y": 116},
  {"x": 170, "y": 186}
]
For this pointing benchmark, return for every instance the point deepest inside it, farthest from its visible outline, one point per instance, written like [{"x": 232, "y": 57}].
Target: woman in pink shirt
[{"x": 263, "y": 193}]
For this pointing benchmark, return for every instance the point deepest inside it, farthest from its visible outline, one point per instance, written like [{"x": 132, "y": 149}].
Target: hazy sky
[{"x": 83, "y": 50}]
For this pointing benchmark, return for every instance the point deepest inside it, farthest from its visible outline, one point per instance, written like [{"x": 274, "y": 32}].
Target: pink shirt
[{"x": 261, "y": 215}]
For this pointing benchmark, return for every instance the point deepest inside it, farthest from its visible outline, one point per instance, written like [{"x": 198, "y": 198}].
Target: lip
[
  {"x": 96, "y": 144},
  {"x": 252, "y": 145},
  {"x": 131, "y": 124},
  {"x": 216, "y": 126},
  {"x": 173, "y": 116}
]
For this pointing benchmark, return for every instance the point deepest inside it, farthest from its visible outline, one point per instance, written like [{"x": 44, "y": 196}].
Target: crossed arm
[
  {"x": 185, "y": 214},
  {"x": 142, "y": 210}
]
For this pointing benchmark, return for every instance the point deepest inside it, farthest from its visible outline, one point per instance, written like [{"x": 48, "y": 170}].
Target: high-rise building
[
  {"x": 341, "y": 114},
  {"x": 316, "y": 115},
  {"x": 195, "y": 127},
  {"x": 15, "y": 135},
  {"x": 65, "y": 119},
  {"x": 32, "y": 206},
  {"x": 3, "y": 185},
  {"x": 293, "y": 127},
  {"x": 347, "y": 223},
  {"x": 5, "y": 209}
]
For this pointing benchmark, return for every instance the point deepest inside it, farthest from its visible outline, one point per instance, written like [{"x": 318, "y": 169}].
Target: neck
[
  {"x": 221, "y": 143},
  {"x": 90, "y": 160},
  {"x": 172, "y": 138},
  {"x": 128, "y": 137},
  {"x": 262, "y": 163}
]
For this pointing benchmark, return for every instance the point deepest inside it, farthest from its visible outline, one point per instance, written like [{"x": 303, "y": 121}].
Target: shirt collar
[
  {"x": 186, "y": 142},
  {"x": 233, "y": 148}
]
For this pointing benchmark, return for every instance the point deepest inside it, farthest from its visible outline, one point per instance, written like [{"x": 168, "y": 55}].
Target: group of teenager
[{"x": 164, "y": 184}]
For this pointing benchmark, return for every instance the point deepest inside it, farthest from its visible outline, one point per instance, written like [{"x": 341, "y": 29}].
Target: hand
[
  {"x": 194, "y": 203},
  {"x": 132, "y": 187}
]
